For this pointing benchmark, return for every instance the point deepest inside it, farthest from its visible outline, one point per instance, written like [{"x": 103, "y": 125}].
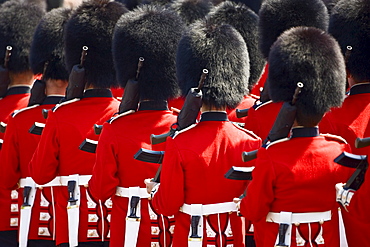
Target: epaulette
[
  {"x": 335, "y": 138},
  {"x": 64, "y": 103},
  {"x": 256, "y": 107},
  {"x": 120, "y": 115},
  {"x": 183, "y": 130},
  {"x": 16, "y": 112},
  {"x": 277, "y": 141},
  {"x": 249, "y": 132}
]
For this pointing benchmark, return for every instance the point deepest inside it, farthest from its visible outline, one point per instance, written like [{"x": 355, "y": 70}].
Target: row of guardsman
[{"x": 270, "y": 144}]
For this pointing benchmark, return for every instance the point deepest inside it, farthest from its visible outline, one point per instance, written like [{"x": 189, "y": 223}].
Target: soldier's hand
[
  {"x": 344, "y": 196},
  {"x": 150, "y": 185}
]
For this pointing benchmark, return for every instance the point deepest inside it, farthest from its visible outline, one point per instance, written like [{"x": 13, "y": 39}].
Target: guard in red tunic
[
  {"x": 245, "y": 21},
  {"x": 192, "y": 185},
  {"x": 350, "y": 25},
  {"x": 291, "y": 196},
  {"x": 116, "y": 173},
  {"x": 80, "y": 219},
  {"x": 17, "y": 24},
  {"x": 275, "y": 17},
  {"x": 46, "y": 56}
]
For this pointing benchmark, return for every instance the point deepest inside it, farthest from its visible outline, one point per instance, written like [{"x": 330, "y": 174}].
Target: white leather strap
[
  {"x": 301, "y": 217},
  {"x": 83, "y": 180},
  {"x": 207, "y": 209},
  {"x": 132, "y": 191}
]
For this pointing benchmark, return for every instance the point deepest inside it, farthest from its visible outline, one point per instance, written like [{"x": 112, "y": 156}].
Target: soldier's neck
[
  {"x": 56, "y": 87},
  {"x": 21, "y": 79}
]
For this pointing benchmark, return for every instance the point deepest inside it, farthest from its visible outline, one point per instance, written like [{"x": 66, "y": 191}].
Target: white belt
[
  {"x": 207, "y": 209},
  {"x": 132, "y": 220},
  {"x": 124, "y": 192},
  {"x": 83, "y": 180},
  {"x": 58, "y": 181},
  {"x": 301, "y": 217},
  {"x": 195, "y": 237},
  {"x": 288, "y": 218}
]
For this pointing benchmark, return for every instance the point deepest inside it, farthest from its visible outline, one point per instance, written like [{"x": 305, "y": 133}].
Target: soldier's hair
[
  {"x": 92, "y": 25},
  {"x": 47, "y": 45},
  {"x": 151, "y": 32},
  {"x": 350, "y": 25},
  {"x": 313, "y": 57},
  {"x": 276, "y": 16},
  {"x": 220, "y": 49},
  {"x": 18, "y": 22},
  {"x": 245, "y": 21}
]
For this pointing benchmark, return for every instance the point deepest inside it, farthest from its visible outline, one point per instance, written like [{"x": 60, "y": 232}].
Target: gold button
[{"x": 41, "y": 231}]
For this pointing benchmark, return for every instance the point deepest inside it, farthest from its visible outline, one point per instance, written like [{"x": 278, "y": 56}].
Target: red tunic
[
  {"x": 58, "y": 154},
  {"x": 256, "y": 90},
  {"x": 261, "y": 118},
  {"x": 19, "y": 146},
  {"x": 350, "y": 121},
  {"x": 116, "y": 166},
  {"x": 247, "y": 103},
  {"x": 16, "y": 98},
  {"x": 296, "y": 175},
  {"x": 359, "y": 206},
  {"x": 193, "y": 173}
]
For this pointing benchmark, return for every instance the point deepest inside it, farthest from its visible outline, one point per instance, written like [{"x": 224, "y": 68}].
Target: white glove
[{"x": 344, "y": 196}]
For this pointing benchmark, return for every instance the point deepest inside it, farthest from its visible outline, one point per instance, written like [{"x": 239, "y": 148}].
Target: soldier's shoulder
[
  {"x": 26, "y": 109},
  {"x": 121, "y": 115},
  {"x": 336, "y": 138},
  {"x": 63, "y": 104},
  {"x": 248, "y": 132}
]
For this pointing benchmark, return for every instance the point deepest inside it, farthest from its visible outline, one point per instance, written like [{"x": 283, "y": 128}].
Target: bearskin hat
[
  {"x": 245, "y": 21},
  {"x": 276, "y": 16},
  {"x": 151, "y": 32},
  {"x": 47, "y": 45},
  {"x": 222, "y": 51},
  {"x": 313, "y": 57},
  {"x": 18, "y": 22},
  {"x": 92, "y": 25},
  {"x": 330, "y": 4},
  {"x": 191, "y": 10},
  {"x": 350, "y": 25}
]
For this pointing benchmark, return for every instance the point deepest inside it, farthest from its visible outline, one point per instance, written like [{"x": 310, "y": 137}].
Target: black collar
[
  {"x": 52, "y": 100},
  {"x": 305, "y": 132},
  {"x": 98, "y": 92},
  {"x": 160, "y": 105},
  {"x": 214, "y": 116},
  {"x": 359, "y": 89},
  {"x": 18, "y": 90}
]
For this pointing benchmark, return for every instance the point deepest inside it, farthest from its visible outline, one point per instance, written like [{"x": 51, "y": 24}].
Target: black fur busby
[
  {"x": 330, "y": 4},
  {"x": 92, "y": 25},
  {"x": 350, "y": 25},
  {"x": 18, "y": 22},
  {"x": 276, "y": 16},
  {"x": 313, "y": 57},
  {"x": 191, "y": 10},
  {"x": 151, "y": 32},
  {"x": 47, "y": 45},
  {"x": 245, "y": 21},
  {"x": 222, "y": 51}
]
